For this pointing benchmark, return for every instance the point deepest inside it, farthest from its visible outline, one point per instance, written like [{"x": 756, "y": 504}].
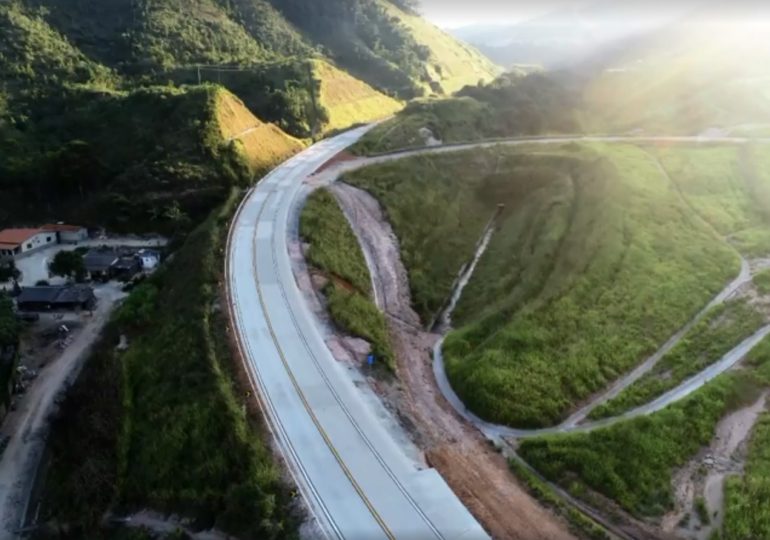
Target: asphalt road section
[{"x": 357, "y": 482}]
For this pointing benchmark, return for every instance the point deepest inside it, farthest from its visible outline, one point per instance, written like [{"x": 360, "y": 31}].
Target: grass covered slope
[
  {"x": 263, "y": 145},
  {"x": 512, "y": 105},
  {"x": 747, "y": 498},
  {"x": 596, "y": 261},
  {"x": 333, "y": 249},
  {"x": 451, "y": 64},
  {"x": 349, "y": 101},
  {"x": 176, "y": 437},
  {"x": 729, "y": 187},
  {"x": 632, "y": 462},
  {"x": 722, "y": 329}
]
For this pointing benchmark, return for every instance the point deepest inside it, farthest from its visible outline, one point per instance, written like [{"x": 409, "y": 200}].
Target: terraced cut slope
[
  {"x": 348, "y": 100},
  {"x": 729, "y": 187},
  {"x": 596, "y": 261},
  {"x": 264, "y": 145}
]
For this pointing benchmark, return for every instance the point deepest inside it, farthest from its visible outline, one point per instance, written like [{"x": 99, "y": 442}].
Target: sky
[
  {"x": 458, "y": 13},
  {"x": 453, "y": 13}
]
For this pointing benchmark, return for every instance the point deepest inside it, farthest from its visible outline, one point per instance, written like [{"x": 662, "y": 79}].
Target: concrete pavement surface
[{"x": 358, "y": 483}]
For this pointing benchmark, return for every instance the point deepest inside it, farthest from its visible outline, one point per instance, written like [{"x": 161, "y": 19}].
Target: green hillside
[
  {"x": 595, "y": 262},
  {"x": 374, "y": 40}
]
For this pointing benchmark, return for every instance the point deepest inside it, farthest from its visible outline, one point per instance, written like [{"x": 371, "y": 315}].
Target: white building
[{"x": 15, "y": 242}]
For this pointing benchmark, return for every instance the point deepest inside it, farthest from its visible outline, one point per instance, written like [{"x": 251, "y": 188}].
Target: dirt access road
[
  {"x": 28, "y": 425},
  {"x": 476, "y": 472}
]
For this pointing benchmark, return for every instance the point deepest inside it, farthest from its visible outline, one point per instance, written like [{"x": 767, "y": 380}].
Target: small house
[
  {"x": 98, "y": 263},
  {"x": 126, "y": 267},
  {"x": 15, "y": 242},
  {"x": 62, "y": 298},
  {"x": 150, "y": 259}
]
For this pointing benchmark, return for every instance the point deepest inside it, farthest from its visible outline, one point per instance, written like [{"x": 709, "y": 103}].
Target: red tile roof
[
  {"x": 61, "y": 227},
  {"x": 17, "y": 236}
]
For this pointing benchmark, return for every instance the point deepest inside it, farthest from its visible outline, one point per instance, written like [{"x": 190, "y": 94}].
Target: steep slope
[
  {"x": 451, "y": 64},
  {"x": 33, "y": 55},
  {"x": 150, "y": 159},
  {"x": 387, "y": 47},
  {"x": 347, "y": 100},
  {"x": 594, "y": 263},
  {"x": 264, "y": 145}
]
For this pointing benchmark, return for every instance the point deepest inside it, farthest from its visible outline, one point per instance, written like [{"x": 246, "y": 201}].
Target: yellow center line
[{"x": 301, "y": 394}]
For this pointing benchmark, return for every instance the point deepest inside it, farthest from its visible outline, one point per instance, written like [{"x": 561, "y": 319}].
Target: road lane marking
[{"x": 301, "y": 394}]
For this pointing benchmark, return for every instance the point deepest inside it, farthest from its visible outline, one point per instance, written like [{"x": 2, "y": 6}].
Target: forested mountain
[{"x": 308, "y": 67}]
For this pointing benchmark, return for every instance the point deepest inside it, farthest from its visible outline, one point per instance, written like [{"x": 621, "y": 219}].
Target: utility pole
[{"x": 199, "y": 74}]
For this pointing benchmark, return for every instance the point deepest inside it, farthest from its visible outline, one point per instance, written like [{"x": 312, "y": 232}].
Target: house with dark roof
[
  {"x": 98, "y": 263},
  {"x": 62, "y": 298},
  {"x": 126, "y": 268}
]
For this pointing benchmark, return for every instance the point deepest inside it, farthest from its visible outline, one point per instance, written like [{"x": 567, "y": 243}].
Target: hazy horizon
[{"x": 454, "y": 14}]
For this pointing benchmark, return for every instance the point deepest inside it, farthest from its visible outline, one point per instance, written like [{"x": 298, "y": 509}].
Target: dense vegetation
[
  {"x": 161, "y": 425},
  {"x": 762, "y": 281},
  {"x": 747, "y": 498},
  {"x": 632, "y": 461},
  {"x": 512, "y": 105},
  {"x": 334, "y": 250},
  {"x": 9, "y": 341},
  {"x": 721, "y": 329},
  {"x": 595, "y": 262},
  {"x": 374, "y": 40},
  {"x": 153, "y": 159}
]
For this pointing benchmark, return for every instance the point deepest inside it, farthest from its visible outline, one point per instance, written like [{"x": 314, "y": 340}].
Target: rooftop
[
  {"x": 62, "y": 227},
  {"x": 99, "y": 261},
  {"x": 14, "y": 237},
  {"x": 67, "y": 294}
]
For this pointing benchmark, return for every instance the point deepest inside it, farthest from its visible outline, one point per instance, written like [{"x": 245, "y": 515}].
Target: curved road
[
  {"x": 357, "y": 482},
  {"x": 355, "y": 479}
]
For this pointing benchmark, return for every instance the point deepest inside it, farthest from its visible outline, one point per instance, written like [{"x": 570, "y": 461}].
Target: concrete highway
[{"x": 357, "y": 482}]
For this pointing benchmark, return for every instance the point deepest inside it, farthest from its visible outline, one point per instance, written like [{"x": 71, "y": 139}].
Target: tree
[{"x": 69, "y": 264}]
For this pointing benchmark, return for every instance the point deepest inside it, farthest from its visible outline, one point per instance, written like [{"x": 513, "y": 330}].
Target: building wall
[
  {"x": 73, "y": 237},
  {"x": 38, "y": 241}
]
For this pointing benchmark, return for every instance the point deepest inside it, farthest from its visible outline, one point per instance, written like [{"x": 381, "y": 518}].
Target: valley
[{"x": 407, "y": 292}]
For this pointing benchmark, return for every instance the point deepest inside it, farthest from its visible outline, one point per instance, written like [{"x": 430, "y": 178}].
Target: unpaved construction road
[
  {"x": 20, "y": 460},
  {"x": 477, "y": 473}
]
